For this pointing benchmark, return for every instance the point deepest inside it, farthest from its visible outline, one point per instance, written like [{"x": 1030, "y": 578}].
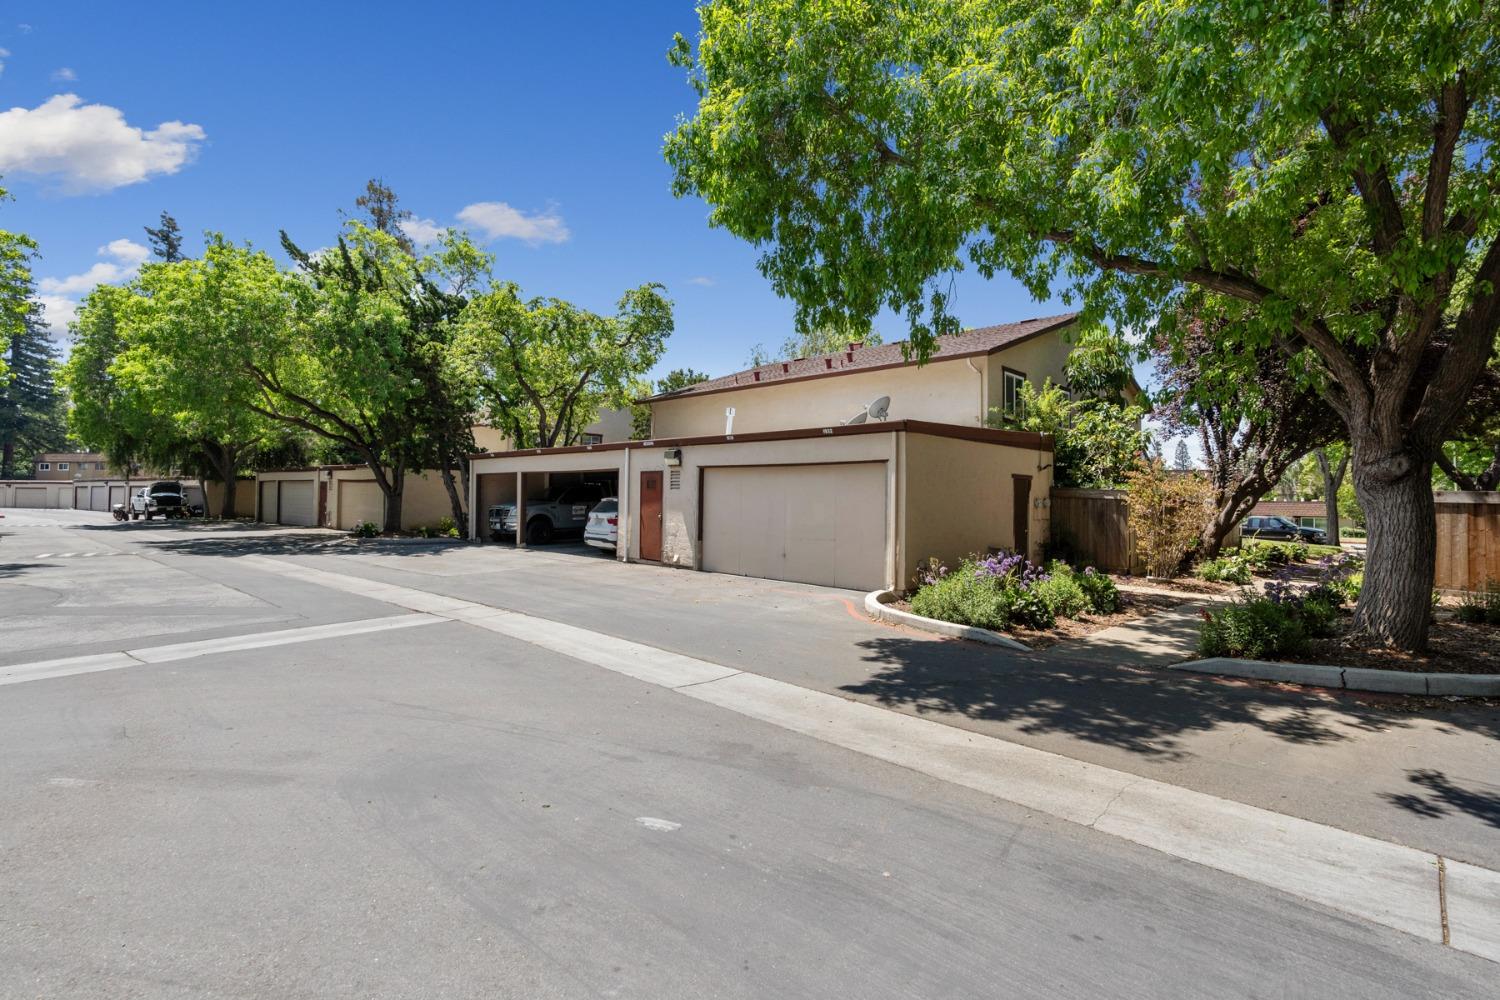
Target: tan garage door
[
  {"x": 360, "y": 500},
  {"x": 116, "y": 495},
  {"x": 31, "y": 496},
  {"x": 268, "y": 509},
  {"x": 81, "y": 497},
  {"x": 822, "y": 524},
  {"x": 296, "y": 502},
  {"x": 99, "y": 498}
]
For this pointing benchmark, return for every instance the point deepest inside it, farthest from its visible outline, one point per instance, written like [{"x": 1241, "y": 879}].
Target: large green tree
[
  {"x": 17, "y": 251},
  {"x": 106, "y": 413},
  {"x": 547, "y": 367},
  {"x": 32, "y": 416},
  {"x": 173, "y": 331},
  {"x": 830, "y": 338},
  {"x": 1323, "y": 174}
]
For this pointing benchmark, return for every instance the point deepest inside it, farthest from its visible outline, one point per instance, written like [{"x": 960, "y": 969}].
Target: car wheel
[
  {"x": 538, "y": 531},
  {"x": 148, "y": 515}
]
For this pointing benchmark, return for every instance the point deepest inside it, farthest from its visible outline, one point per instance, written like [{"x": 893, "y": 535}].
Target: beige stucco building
[
  {"x": 968, "y": 376},
  {"x": 847, "y": 470},
  {"x": 344, "y": 496}
]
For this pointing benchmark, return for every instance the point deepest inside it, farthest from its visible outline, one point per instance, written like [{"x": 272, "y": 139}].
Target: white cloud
[
  {"x": 125, "y": 251},
  {"x": 422, "y": 231},
  {"x": 64, "y": 74},
  {"x": 497, "y": 220},
  {"x": 124, "y": 259},
  {"x": 91, "y": 147},
  {"x": 60, "y": 311},
  {"x": 703, "y": 280}
]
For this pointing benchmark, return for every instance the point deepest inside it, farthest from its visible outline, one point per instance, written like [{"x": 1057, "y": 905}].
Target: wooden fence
[
  {"x": 1468, "y": 540},
  {"x": 1092, "y": 527}
]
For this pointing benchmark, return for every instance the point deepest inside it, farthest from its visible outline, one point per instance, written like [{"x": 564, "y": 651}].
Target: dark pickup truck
[{"x": 164, "y": 498}]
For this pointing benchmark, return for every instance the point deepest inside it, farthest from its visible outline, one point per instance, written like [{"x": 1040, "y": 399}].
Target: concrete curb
[
  {"x": 405, "y": 541},
  {"x": 1350, "y": 678},
  {"x": 877, "y": 606}
]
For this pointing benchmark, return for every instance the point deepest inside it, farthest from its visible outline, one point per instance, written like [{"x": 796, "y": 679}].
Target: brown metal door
[
  {"x": 651, "y": 516},
  {"x": 1021, "y": 528}
]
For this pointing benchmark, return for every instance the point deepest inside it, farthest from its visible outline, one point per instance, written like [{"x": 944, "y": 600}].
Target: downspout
[
  {"x": 981, "y": 372},
  {"x": 623, "y": 534}
]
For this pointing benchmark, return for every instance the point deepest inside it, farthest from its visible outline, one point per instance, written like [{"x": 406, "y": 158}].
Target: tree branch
[{"x": 1452, "y": 112}]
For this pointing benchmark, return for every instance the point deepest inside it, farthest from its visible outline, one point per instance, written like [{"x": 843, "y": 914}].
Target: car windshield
[
  {"x": 610, "y": 506},
  {"x": 1282, "y": 522},
  {"x": 165, "y": 488}
]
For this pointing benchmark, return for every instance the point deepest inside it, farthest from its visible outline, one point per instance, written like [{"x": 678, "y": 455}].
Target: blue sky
[{"x": 248, "y": 118}]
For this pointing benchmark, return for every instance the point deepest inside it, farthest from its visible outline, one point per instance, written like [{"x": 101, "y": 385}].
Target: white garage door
[
  {"x": 297, "y": 505},
  {"x": 360, "y": 501},
  {"x": 81, "y": 497},
  {"x": 116, "y": 495},
  {"x": 31, "y": 496},
  {"x": 821, "y": 524},
  {"x": 99, "y": 498},
  {"x": 268, "y": 510}
]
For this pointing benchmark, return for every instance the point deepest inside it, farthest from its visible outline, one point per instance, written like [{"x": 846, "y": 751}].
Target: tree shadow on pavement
[
  {"x": 1440, "y": 796},
  {"x": 1142, "y": 710},
  {"x": 8, "y": 570}
]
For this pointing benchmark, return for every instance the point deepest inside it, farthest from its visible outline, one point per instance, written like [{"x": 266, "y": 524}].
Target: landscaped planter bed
[
  {"x": 1453, "y": 647},
  {"x": 1132, "y": 607}
]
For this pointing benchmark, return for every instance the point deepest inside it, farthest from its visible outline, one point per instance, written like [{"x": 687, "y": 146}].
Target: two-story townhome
[
  {"x": 61, "y": 465},
  {"x": 847, "y": 469}
]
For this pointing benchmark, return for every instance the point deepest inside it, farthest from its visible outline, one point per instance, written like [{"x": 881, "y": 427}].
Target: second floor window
[
  {"x": 1010, "y": 392},
  {"x": 44, "y": 466},
  {"x": 593, "y": 438},
  {"x": 62, "y": 466}
]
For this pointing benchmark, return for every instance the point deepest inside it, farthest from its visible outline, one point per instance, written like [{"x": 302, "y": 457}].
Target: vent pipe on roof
[
  {"x": 855, "y": 345},
  {"x": 828, "y": 362},
  {"x": 756, "y": 376},
  {"x": 785, "y": 367},
  {"x": 849, "y": 356}
]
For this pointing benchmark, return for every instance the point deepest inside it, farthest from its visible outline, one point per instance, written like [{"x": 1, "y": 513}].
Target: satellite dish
[
  {"x": 858, "y": 418},
  {"x": 879, "y": 408}
]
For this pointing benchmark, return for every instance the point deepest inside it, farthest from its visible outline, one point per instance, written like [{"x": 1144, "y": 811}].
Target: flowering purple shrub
[
  {"x": 930, "y": 571},
  {"x": 1012, "y": 565}
]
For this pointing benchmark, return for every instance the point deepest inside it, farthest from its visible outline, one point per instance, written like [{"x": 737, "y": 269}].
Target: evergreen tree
[
  {"x": 31, "y": 411},
  {"x": 166, "y": 242},
  {"x": 1182, "y": 460},
  {"x": 383, "y": 209}
]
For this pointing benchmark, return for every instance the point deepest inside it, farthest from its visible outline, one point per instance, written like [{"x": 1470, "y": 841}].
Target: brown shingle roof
[
  {"x": 1289, "y": 508},
  {"x": 981, "y": 340}
]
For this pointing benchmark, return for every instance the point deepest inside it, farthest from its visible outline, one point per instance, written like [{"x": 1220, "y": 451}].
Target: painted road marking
[
  {"x": 1386, "y": 883},
  {"x": 19, "y": 673}
]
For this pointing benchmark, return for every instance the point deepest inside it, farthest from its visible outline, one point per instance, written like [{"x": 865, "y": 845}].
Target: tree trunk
[
  {"x": 8, "y": 460},
  {"x": 227, "y": 508},
  {"x": 1229, "y": 510},
  {"x": 393, "y": 496},
  {"x": 1395, "y": 603},
  {"x": 459, "y": 519},
  {"x": 1333, "y": 480}
]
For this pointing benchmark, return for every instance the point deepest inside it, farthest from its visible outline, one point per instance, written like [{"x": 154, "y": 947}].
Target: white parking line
[
  {"x": 1385, "y": 883},
  {"x": 19, "y": 673}
]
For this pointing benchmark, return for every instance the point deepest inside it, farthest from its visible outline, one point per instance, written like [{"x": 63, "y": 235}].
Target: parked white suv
[{"x": 603, "y": 528}]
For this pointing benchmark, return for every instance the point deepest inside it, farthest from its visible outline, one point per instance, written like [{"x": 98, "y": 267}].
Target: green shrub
[
  {"x": 1225, "y": 569},
  {"x": 366, "y": 529},
  {"x": 1296, "y": 551},
  {"x": 1062, "y": 595},
  {"x": 1255, "y": 629},
  {"x": 1317, "y": 614},
  {"x": 1104, "y": 596},
  {"x": 1265, "y": 555},
  {"x": 447, "y": 527},
  {"x": 1029, "y": 609},
  {"x": 1476, "y": 606},
  {"x": 964, "y": 599}
]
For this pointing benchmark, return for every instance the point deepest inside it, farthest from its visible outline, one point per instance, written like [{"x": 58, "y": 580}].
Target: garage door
[
  {"x": 822, "y": 524},
  {"x": 297, "y": 503},
  {"x": 31, "y": 496},
  {"x": 99, "y": 498},
  {"x": 268, "y": 501},
  {"x": 360, "y": 501},
  {"x": 116, "y": 495}
]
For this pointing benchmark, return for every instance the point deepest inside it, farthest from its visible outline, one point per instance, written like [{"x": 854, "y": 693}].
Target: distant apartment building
[{"x": 56, "y": 465}]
